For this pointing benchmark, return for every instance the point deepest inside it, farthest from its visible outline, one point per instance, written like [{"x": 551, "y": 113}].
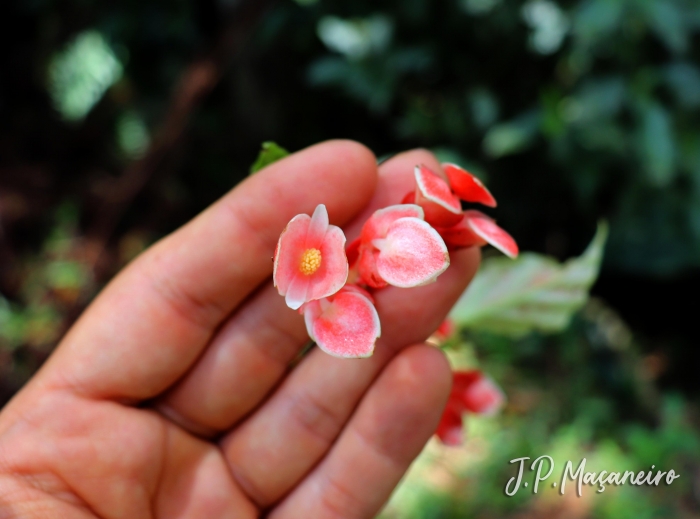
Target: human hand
[{"x": 173, "y": 397}]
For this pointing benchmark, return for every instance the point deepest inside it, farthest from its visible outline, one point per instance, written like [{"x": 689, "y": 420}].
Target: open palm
[{"x": 173, "y": 396}]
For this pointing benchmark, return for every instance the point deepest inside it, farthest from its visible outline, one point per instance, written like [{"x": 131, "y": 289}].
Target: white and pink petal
[
  {"x": 412, "y": 254},
  {"x": 289, "y": 251},
  {"x": 468, "y": 187},
  {"x": 345, "y": 326},
  {"x": 378, "y": 224},
  {"x": 333, "y": 271},
  {"x": 434, "y": 195},
  {"x": 367, "y": 267},
  {"x": 460, "y": 235},
  {"x": 318, "y": 227},
  {"x": 486, "y": 229}
]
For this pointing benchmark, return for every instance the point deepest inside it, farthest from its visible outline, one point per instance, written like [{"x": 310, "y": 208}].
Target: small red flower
[
  {"x": 397, "y": 247},
  {"x": 310, "y": 261},
  {"x": 473, "y": 392},
  {"x": 345, "y": 324},
  {"x": 440, "y": 198},
  {"x": 446, "y": 329},
  {"x": 442, "y": 207},
  {"x": 475, "y": 228},
  {"x": 466, "y": 186},
  {"x": 449, "y": 430},
  {"x": 477, "y": 392}
]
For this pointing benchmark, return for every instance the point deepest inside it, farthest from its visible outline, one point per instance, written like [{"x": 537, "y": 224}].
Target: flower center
[{"x": 310, "y": 261}]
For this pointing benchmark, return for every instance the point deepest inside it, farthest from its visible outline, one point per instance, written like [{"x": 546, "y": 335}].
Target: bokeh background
[{"x": 119, "y": 121}]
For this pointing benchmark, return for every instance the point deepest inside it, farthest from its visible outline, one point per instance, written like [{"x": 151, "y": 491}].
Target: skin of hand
[{"x": 172, "y": 396}]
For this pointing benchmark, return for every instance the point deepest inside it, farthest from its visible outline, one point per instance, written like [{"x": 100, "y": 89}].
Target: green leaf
[
  {"x": 684, "y": 80},
  {"x": 657, "y": 144},
  {"x": 81, "y": 73},
  {"x": 513, "y": 136},
  {"x": 534, "y": 292},
  {"x": 67, "y": 274},
  {"x": 595, "y": 19},
  {"x": 669, "y": 22},
  {"x": 270, "y": 152}
]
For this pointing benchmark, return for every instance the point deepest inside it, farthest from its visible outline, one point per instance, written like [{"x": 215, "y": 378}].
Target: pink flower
[
  {"x": 442, "y": 207},
  {"x": 473, "y": 392},
  {"x": 477, "y": 392},
  {"x": 466, "y": 186},
  {"x": 475, "y": 228},
  {"x": 449, "y": 430},
  {"x": 345, "y": 324},
  {"x": 397, "y": 247},
  {"x": 310, "y": 260},
  {"x": 440, "y": 198}
]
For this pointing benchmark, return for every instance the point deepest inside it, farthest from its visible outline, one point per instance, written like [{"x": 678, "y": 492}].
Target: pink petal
[
  {"x": 412, "y": 254},
  {"x": 410, "y": 198},
  {"x": 317, "y": 227},
  {"x": 434, "y": 195},
  {"x": 449, "y": 429},
  {"x": 468, "y": 187},
  {"x": 312, "y": 311},
  {"x": 367, "y": 267},
  {"x": 348, "y": 327},
  {"x": 333, "y": 272},
  {"x": 358, "y": 290},
  {"x": 352, "y": 251},
  {"x": 290, "y": 248},
  {"x": 487, "y": 229},
  {"x": 460, "y": 235},
  {"x": 376, "y": 227},
  {"x": 483, "y": 397},
  {"x": 378, "y": 224},
  {"x": 461, "y": 380},
  {"x": 297, "y": 292}
]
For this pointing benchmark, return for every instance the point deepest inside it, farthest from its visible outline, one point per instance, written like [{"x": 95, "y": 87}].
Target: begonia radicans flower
[
  {"x": 345, "y": 324},
  {"x": 475, "y": 228},
  {"x": 398, "y": 247},
  {"x": 472, "y": 392},
  {"x": 310, "y": 261},
  {"x": 466, "y": 186},
  {"x": 442, "y": 207},
  {"x": 440, "y": 198}
]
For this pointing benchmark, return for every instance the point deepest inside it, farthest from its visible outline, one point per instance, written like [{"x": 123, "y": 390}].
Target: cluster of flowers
[{"x": 404, "y": 245}]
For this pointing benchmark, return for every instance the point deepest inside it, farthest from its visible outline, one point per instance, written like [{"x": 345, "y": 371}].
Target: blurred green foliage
[{"x": 583, "y": 393}]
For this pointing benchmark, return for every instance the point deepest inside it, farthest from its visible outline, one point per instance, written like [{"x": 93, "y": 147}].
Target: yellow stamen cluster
[{"x": 310, "y": 261}]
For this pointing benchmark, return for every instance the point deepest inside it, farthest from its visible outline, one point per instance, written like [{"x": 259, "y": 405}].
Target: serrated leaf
[
  {"x": 533, "y": 292},
  {"x": 270, "y": 152}
]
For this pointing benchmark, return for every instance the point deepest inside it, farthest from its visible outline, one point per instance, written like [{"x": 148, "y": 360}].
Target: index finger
[{"x": 152, "y": 321}]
